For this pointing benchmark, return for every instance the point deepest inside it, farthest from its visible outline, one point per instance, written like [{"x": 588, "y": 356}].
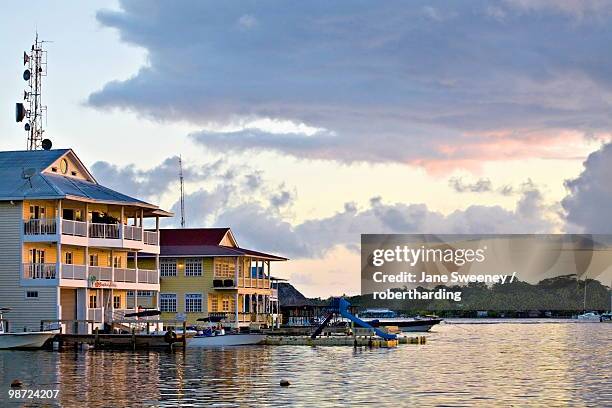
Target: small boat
[
  {"x": 22, "y": 340},
  {"x": 218, "y": 338},
  {"x": 386, "y": 317},
  {"x": 590, "y": 317},
  {"x": 606, "y": 317}
]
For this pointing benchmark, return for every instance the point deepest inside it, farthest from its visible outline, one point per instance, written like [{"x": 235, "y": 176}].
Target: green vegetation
[{"x": 561, "y": 295}]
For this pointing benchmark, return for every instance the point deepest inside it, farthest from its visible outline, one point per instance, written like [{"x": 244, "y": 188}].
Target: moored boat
[
  {"x": 590, "y": 317},
  {"x": 386, "y": 317},
  {"x": 22, "y": 340}
]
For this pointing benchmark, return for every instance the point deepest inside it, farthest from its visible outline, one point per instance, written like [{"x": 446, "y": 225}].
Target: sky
[{"x": 304, "y": 125}]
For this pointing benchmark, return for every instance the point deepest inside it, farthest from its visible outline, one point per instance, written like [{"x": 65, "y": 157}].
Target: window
[
  {"x": 64, "y": 166},
  {"x": 68, "y": 258},
  {"x": 37, "y": 256},
  {"x": 167, "y": 302},
  {"x": 193, "y": 303},
  {"x": 32, "y": 294},
  {"x": 225, "y": 267},
  {"x": 193, "y": 267},
  {"x": 117, "y": 262},
  {"x": 117, "y": 302},
  {"x": 168, "y": 267},
  {"x": 93, "y": 259},
  {"x": 226, "y": 304},
  {"x": 214, "y": 303},
  {"x": 93, "y": 301},
  {"x": 145, "y": 293}
]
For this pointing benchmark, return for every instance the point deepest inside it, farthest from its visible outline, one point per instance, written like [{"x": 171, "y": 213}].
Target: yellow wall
[
  {"x": 48, "y": 205},
  {"x": 78, "y": 254},
  {"x": 50, "y": 251}
]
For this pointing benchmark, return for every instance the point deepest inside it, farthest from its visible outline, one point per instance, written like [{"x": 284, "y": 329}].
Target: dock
[{"x": 351, "y": 341}]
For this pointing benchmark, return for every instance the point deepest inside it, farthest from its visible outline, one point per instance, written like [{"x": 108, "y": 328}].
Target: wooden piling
[{"x": 184, "y": 335}]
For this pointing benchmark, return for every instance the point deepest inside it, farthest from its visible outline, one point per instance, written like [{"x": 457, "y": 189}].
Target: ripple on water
[{"x": 461, "y": 365}]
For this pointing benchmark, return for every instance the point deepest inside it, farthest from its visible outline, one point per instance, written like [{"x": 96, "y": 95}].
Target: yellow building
[
  {"x": 205, "y": 274},
  {"x": 65, "y": 242}
]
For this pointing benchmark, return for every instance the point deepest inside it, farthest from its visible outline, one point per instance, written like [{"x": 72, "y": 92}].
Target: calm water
[{"x": 461, "y": 365}]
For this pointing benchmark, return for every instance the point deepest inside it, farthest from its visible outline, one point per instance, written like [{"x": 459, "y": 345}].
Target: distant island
[{"x": 558, "y": 296}]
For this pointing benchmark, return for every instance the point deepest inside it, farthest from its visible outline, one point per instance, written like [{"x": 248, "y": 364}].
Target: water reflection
[{"x": 461, "y": 365}]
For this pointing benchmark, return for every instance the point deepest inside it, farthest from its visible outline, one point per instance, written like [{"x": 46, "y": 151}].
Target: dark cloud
[
  {"x": 587, "y": 204},
  {"x": 150, "y": 183},
  {"x": 386, "y": 82},
  {"x": 479, "y": 186}
]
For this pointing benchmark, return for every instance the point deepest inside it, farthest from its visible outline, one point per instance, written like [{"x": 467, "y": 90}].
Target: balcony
[
  {"x": 39, "y": 270},
  {"x": 75, "y": 272},
  {"x": 41, "y": 226},
  {"x": 91, "y": 234},
  {"x": 74, "y": 228},
  {"x": 84, "y": 275}
]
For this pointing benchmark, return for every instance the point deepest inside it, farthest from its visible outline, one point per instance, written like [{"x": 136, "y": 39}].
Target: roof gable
[{"x": 74, "y": 167}]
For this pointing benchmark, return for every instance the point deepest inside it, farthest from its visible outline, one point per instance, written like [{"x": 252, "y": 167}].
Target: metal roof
[
  {"x": 209, "y": 250},
  {"x": 14, "y": 185}
]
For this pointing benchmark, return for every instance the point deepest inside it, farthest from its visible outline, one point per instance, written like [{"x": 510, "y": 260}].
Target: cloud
[
  {"x": 151, "y": 183},
  {"x": 260, "y": 228},
  {"x": 479, "y": 186},
  {"x": 424, "y": 85},
  {"x": 587, "y": 205}
]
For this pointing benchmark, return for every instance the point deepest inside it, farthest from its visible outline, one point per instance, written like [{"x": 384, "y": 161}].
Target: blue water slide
[{"x": 343, "y": 309}]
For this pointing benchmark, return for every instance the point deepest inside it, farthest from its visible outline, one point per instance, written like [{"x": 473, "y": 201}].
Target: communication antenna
[
  {"x": 182, "y": 192},
  {"x": 32, "y": 109}
]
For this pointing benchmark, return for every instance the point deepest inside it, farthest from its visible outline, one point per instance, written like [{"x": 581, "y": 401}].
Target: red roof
[{"x": 192, "y": 236}]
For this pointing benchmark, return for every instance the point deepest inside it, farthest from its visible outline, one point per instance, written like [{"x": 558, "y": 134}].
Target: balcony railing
[
  {"x": 39, "y": 270},
  {"x": 132, "y": 233},
  {"x": 97, "y": 230},
  {"x": 78, "y": 272},
  {"x": 151, "y": 238},
  {"x": 101, "y": 273},
  {"x": 95, "y": 314},
  {"x": 41, "y": 226},
  {"x": 125, "y": 275},
  {"x": 48, "y": 226},
  {"x": 148, "y": 276},
  {"x": 76, "y": 228}
]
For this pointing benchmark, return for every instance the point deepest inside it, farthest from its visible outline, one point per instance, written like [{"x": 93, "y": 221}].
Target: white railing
[
  {"x": 274, "y": 294},
  {"x": 39, "y": 270},
  {"x": 132, "y": 233},
  {"x": 74, "y": 272},
  {"x": 76, "y": 228},
  {"x": 151, "y": 238},
  {"x": 95, "y": 314},
  {"x": 101, "y": 273},
  {"x": 42, "y": 226},
  {"x": 97, "y": 230},
  {"x": 125, "y": 275},
  {"x": 148, "y": 276}
]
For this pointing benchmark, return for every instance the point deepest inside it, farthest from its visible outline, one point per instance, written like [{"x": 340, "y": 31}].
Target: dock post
[
  {"x": 133, "y": 339},
  {"x": 96, "y": 338},
  {"x": 184, "y": 335}
]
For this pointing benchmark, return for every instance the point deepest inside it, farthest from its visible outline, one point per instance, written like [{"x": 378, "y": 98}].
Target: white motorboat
[
  {"x": 22, "y": 340},
  {"x": 386, "y": 317},
  {"x": 220, "y": 340},
  {"x": 590, "y": 317}
]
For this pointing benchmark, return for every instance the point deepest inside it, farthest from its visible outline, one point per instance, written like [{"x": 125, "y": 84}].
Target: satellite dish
[
  {"x": 28, "y": 173},
  {"x": 27, "y": 127},
  {"x": 20, "y": 112},
  {"x": 46, "y": 144},
  {"x": 26, "y": 75},
  {"x": 26, "y": 58}
]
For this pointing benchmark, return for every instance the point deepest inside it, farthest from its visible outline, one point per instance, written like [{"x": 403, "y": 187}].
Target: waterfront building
[
  {"x": 205, "y": 274},
  {"x": 65, "y": 241}
]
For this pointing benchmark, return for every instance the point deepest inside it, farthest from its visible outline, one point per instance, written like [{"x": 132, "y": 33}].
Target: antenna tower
[
  {"x": 32, "y": 109},
  {"x": 182, "y": 192}
]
